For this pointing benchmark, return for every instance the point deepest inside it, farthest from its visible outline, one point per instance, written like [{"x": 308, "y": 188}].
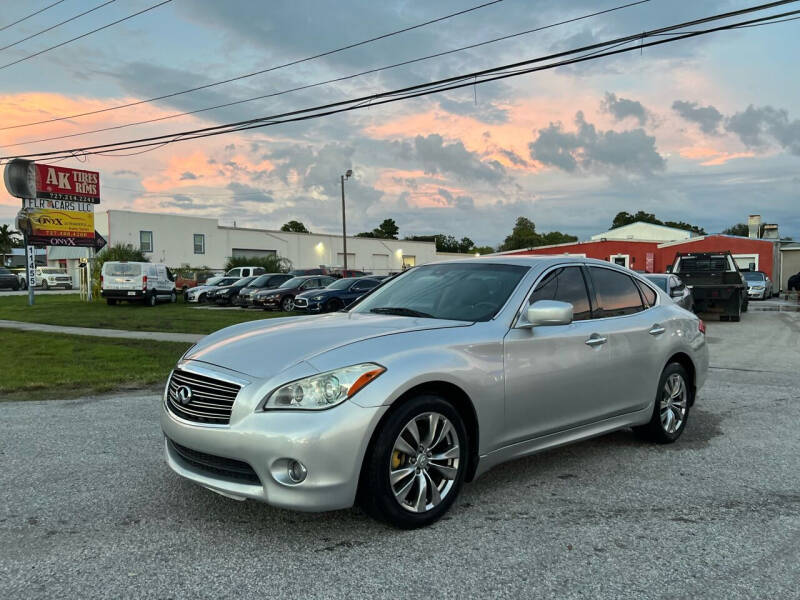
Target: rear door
[{"x": 635, "y": 339}]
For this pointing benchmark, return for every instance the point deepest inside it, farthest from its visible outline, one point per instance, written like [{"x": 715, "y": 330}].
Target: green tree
[
  {"x": 483, "y": 249},
  {"x": 387, "y": 230},
  {"x": 556, "y": 237},
  {"x": 626, "y": 218},
  {"x": 740, "y": 229},
  {"x": 9, "y": 239},
  {"x": 295, "y": 227},
  {"x": 522, "y": 236},
  {"x": 271, "y": 264}
]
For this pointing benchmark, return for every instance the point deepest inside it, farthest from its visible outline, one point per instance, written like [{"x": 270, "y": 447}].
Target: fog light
[{"x": 297, "y": 471}]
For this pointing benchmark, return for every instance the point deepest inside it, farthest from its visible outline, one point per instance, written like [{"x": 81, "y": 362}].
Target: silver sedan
[{"x": 428, "y": 382}]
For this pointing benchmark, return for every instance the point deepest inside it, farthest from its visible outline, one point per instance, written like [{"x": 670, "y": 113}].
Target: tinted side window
[
  {"x": 565, "y": 285},
  {"x": 648, "y": 294},
  {"x": 617, "y": 295},
  {"x": 363, "y": 286}
]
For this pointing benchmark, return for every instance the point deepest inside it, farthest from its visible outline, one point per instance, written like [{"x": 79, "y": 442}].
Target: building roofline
[
  {"x": 714, "y": 235},
  {"x": 689, "y": 231},
  {"x": 518, "y": 250}
]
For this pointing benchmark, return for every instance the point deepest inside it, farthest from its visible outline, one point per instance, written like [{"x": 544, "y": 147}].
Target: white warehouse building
[{"x": 178, "y": 240}]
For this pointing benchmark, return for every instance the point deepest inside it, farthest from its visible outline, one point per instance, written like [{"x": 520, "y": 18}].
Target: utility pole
[{"x": 347, "y": 175}]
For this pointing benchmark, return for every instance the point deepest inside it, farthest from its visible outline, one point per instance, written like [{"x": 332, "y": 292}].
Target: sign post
[
  {"x": 57, "y": 208},
  {"x": 30, "y": 268}
]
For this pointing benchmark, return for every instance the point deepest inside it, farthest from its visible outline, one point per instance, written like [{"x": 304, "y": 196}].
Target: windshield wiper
[{"x": 400, "y": 311}]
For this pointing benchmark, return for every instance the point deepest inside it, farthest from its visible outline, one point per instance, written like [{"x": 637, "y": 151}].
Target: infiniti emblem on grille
[{"x": 184, "y": 394}]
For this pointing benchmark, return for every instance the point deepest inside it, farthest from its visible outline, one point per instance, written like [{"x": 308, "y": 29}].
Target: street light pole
[{"x": 347, "y": 175}]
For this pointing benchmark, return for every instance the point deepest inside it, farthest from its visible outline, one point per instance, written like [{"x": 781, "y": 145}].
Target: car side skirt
[{"x": 561, "y": 438}]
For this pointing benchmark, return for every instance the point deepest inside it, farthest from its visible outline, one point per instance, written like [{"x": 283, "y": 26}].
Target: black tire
[
  {"x": 655, "y": 430},
  {"x": 111, "y": 301},
  {"x": 45, "y": 285},
  {"x": 376, "y": 495},
  {"x": 15, "y": 287},
  {"x": 201, "y": 298},
  {"x": 173, "y": 297},
  {"x": 150, "y": 300},
  {"x": 333, "y": 305},
  {"x": 287, "y": 304},
  {"x": 183, "y": 290}
]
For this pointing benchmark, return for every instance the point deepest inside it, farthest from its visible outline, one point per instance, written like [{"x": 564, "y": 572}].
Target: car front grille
[
  {"x": 208, "y": 400},
  {"x": 216, "y": 465}
]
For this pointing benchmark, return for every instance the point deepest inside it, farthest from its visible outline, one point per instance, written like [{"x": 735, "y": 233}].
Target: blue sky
[{"x": 706, "y": 131}]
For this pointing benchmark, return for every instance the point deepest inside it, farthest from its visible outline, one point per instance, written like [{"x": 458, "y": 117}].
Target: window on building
[
  {"x": 199, "y": 243},
  {"x": 565, "y": 285},
  {"x": 409, "y": 261},
  {"x": 146, "y": 241},
  {"x": 617, "y": 295}
]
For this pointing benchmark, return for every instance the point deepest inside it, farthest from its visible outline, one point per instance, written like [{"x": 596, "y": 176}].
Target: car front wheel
[
  {"x": 287, "y": 304},
  {"x": 671, "y": 410},
  {"x": 415, "y": 467}
]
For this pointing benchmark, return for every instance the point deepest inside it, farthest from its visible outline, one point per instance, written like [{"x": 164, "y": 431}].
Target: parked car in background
[
  {"x": 680, "y": 293},
  {"x": 759, "y": 286},
  {"x": 144, "y": 282},
  {"x": 8, "y": 280},
  {"x": 267, "y": 281},
  {"x": 430, "y": 381},
  {"x": 198, "y": 294},
  {"x": 245, "y": 272},
  {"x": 225, "y": 295},
  {"x": 301, "y": 272},
  {"x": 794, "y": 282},
  {"x": 716, "y": 281},
  {"x": 189, "y": 279},
  {"x": 338, "y": 295},
  {"x": 282, "y": 298},
  {"x": 51, "y": 277}
]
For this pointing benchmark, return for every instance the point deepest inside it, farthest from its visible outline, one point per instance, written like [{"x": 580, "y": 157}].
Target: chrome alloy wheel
[
  {"x": 674, "y": 403},
  {"x": 424, "y": 462}
]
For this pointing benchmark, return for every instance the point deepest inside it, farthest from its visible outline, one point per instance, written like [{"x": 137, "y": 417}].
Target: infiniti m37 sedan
[{"x": 441, "y": 373}]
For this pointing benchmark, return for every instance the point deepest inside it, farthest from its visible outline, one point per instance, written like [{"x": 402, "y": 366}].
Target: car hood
[
  {"x": 321, "y": 292},
  {"x": 267, "y": 347}
]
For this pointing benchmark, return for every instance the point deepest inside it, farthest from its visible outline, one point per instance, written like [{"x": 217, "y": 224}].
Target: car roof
[
  {"x": 656, "y": 275},
  {"x": 529, "y": 260}
]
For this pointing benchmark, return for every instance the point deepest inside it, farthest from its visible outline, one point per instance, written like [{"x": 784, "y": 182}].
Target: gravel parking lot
[{"x": 88, "y": 508}]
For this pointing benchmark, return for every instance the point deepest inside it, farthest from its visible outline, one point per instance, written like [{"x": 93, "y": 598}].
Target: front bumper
[
  {"x": 330, "y": 443},
  {"x": 307, "y": 305},
  {"x": 268, "y": 302},
  {"x": 756, "y": 294}
]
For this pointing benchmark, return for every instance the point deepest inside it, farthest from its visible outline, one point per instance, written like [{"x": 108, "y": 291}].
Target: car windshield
[
  {"x": 341, "y": 284},
  {"x": 119, "y": 269},
  {"x": 293, "y": 283},
  {"x": 213, "y": 280},
  {"x": 659, "y": 281},
  {"x": 260, "y": 281},
  {"x": 753, "y": 276},
  {"x": 454, "y": 291},
  {"x": 243, "y": 281}
]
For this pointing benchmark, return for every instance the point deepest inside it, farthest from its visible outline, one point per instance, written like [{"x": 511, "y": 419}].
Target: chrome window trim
[{"x": 634, "y": 276}]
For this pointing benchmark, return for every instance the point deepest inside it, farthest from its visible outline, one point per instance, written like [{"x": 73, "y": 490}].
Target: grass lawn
[
  {"x": 68, "y": 309},
  {"x": 40, "y": 366}
]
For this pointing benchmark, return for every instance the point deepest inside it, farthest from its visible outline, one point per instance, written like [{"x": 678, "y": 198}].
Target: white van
[
  {"x": 137, "y": 282},
  {"x": 245, "y": 272}
]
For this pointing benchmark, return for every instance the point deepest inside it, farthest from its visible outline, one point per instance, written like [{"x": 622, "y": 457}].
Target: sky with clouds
[{"x": 705, "y": 131}]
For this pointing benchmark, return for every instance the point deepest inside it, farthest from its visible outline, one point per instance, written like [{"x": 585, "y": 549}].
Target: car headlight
[{"x": 325, "y": 390}]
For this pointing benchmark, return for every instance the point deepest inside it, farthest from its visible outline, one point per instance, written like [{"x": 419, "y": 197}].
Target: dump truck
[{"x": 717, "y": 284}]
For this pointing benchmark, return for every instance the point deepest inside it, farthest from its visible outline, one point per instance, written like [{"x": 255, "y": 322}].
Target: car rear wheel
[
  {"x": 287, "y": 304},
  {"x": 415, "y": 467},
  {"x": 671, "y": 410},
  {"x": 173, "y": 297},
  {"x": 150, "y": 300}
]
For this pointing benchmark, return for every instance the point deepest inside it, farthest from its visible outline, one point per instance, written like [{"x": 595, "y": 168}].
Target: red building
[{"x": 654, "y": 257}]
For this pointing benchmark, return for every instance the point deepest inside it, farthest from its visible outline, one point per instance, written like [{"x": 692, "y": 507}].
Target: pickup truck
[{"x": 716, "y": 282}]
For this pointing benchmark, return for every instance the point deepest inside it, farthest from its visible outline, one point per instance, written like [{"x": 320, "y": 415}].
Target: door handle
[
  {"x": 656, "y": 330},
  {"x": 596, "y": 340}
]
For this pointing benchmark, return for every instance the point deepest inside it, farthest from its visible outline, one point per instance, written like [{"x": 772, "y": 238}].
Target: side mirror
[
  {"x": 676, "y": 292},
  {"x": 547, "y": 312}
]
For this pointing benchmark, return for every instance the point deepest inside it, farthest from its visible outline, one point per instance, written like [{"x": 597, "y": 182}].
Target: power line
[
  {"x": 327, "y": 81},
  {"x": 88, "y": 33},
  {"x": 33, "y": 35},
  {"x": 260, "y": 72},
  {"x": 590, "y": 52},
  {"x": 33, "y": 14}
]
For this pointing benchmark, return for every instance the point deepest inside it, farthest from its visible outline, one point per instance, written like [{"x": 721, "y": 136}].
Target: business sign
[
  {"x": 46, "y": 222},
  {"x": 86, "y": 207},
  {"x": 63, "y": 183}
]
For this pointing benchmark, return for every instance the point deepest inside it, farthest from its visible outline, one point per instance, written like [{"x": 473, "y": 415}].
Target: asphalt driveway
[{"x": 89, "y": 509}]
